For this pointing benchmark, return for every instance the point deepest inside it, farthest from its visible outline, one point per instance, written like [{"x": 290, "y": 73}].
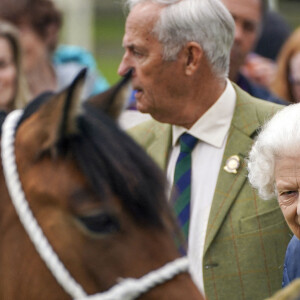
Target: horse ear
[
  {"x": 72, "y": 105},
  {"x": 58, "y": 116},
  {"x": 112, "y": 102}
]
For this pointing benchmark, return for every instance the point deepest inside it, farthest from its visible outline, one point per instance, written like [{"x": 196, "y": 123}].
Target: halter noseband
[{"x": 126, "y": 289}]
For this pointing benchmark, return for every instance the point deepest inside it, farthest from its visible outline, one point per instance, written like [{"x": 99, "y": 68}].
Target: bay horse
[{"x": 83, "y": 211}]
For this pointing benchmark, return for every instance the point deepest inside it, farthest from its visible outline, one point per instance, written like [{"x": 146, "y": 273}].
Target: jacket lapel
[
  {"x": 156, "y": 139},
  {"x": 244, "y": 124},
  {"x": 159, "y": 149}
]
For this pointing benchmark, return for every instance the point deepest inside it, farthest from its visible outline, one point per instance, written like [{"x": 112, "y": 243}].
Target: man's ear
[{"x": 193, "y": 55}]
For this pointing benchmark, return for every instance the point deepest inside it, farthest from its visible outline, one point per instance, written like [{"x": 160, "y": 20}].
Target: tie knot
[{"x": 187, "y": 142}]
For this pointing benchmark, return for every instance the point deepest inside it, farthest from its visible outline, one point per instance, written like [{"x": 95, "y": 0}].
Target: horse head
[{"x": 97, "y": 197}]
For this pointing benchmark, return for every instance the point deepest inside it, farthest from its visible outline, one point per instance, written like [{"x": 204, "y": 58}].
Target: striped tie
[{"x": 182, "y": 181}]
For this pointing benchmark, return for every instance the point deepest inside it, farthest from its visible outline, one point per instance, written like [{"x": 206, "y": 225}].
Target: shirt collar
[{"x": 212, "y": 127}]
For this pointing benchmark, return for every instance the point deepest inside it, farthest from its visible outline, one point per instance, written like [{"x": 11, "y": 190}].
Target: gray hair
[
  {"x": 207, "y": 22},
  {"x": 279, "y": 137}
]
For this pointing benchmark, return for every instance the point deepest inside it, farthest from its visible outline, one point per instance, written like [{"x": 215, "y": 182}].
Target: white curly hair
[{"x": 279, "y": 137}]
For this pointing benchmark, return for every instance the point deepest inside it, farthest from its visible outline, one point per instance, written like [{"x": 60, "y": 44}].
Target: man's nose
[{"x": 124, "y": 66}]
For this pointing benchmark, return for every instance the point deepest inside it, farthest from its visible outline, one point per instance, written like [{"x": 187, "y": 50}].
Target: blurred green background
[
  {"x": 107, "y": 35},
  {"x": 106, "y": 28}
]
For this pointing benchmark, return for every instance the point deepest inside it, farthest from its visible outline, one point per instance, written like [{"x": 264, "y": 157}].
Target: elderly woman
[{"x": 274, "y": 169}]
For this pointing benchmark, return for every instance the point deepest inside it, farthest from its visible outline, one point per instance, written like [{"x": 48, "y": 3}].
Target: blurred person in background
[
  {"x": 260, "y": 65},
  {"x": 13, "y": 89},
  {"x": 274, "y": 33},
  {"x": 39, "y": 22},
  {"x": 287, "y": 78},
  {"x": 248, "y": 16}
]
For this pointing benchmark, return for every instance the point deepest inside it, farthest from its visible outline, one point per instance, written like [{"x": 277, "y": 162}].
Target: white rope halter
[{"x": 126, "y": 289}]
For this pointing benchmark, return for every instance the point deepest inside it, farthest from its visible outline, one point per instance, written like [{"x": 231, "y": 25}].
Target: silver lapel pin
[{"x": 232, "y": 164}]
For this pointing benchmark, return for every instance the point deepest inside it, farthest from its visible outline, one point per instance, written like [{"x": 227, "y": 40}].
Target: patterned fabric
[{"x": 182, "y": 181}]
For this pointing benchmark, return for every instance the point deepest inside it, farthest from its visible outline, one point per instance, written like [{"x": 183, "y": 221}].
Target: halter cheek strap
[{"x": 126, "y": 289}]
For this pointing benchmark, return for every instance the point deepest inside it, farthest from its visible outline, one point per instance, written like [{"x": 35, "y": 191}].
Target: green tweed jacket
[{"x": 246, "y": 237}]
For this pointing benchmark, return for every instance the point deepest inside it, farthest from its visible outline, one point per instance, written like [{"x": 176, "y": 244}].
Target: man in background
[{"x": 248, "y": 16}]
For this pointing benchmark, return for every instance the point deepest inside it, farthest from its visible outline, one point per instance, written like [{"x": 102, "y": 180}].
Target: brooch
[{"x": 232, "y": 164}]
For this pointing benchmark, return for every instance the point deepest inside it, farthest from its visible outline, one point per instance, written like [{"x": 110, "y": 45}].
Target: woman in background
[
  {"x": 287, "y": 78},
  {"x": 46, "y": 67},
  {"x": 13, "y": 89}
]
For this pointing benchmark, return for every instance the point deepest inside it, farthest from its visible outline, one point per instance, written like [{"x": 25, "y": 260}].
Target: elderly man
[{"x": 179, "y": 52}]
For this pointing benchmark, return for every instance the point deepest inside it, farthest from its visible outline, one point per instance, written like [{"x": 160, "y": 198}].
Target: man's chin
[
  {"x": 141, "y": 107},
  {"x": 141, "y": 104}
]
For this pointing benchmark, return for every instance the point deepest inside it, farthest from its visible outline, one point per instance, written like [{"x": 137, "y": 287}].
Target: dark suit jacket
[{"x": 246, "y": 237}]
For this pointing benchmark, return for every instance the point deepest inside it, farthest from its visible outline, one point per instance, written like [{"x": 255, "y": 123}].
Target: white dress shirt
[{"x": 212, "y": 131}]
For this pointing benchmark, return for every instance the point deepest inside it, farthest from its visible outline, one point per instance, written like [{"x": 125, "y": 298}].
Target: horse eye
[{"x": 102, "y": 223}]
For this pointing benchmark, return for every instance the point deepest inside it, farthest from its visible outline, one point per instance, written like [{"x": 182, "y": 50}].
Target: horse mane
[{"x": 113, "y": 164}]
